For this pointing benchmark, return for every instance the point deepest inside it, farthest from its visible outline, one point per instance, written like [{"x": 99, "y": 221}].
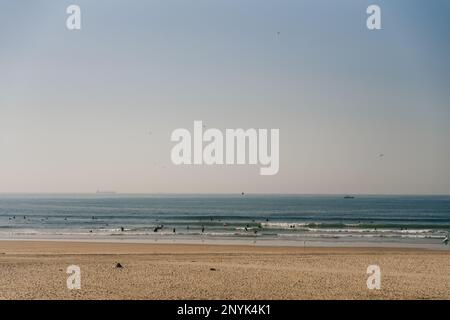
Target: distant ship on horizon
[
  {"x": 104, "y": 192},
  {"x": 349, "y": 197}
]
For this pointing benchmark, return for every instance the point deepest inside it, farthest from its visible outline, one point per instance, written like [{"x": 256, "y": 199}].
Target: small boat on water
[{"x": 349, "y": 197}]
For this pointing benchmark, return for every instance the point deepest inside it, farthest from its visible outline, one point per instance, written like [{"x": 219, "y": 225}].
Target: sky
[{"x": 95, "y": 108}]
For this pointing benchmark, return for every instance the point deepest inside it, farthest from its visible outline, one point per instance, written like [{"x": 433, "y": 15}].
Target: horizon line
[{"x": 223, "y": 193}]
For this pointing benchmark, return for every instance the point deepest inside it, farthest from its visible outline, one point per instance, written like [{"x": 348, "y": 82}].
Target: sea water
[{"x": 298, "y": 219}]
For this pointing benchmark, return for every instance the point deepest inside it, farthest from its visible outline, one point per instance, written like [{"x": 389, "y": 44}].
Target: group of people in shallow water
[
  {"x": 14, "y": 217},
  {"x": 174, "y": 230},
  {"x": 246, "y": 228}
]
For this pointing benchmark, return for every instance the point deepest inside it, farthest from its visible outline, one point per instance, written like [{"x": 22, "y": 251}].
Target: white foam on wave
[{"x": 283, "y": 225}]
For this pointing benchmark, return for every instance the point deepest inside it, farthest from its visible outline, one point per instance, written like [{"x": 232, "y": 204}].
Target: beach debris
[
  {"x": 119, "y": 265},
  {"x": 212, "y": 269}
]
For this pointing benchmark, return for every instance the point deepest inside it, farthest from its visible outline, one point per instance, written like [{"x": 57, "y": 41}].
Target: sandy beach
[{"x": 37, "y": 270}]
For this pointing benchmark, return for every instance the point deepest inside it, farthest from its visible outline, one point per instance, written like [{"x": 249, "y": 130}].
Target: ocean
[{"x": 293, "y": 219}]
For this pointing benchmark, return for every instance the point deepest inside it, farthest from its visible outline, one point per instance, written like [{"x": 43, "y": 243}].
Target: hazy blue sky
[{"x": 77, "y": 107}]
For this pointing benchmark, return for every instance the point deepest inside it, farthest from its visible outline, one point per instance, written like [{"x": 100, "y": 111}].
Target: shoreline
[
  {"x": 430, "y": 244},
  {"x": 69, "y": 246}
]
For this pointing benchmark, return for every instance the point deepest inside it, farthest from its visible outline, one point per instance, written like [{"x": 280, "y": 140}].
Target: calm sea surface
[{"x": 390, "y": 218}]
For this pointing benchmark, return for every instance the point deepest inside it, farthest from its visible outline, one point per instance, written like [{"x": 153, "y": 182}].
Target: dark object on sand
[
  {"x": 118, "y": 265},
  {"x": 212, "y": 269}
]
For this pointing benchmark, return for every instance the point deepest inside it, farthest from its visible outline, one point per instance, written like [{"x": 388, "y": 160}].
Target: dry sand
[{"x": 37, "y": 270}]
